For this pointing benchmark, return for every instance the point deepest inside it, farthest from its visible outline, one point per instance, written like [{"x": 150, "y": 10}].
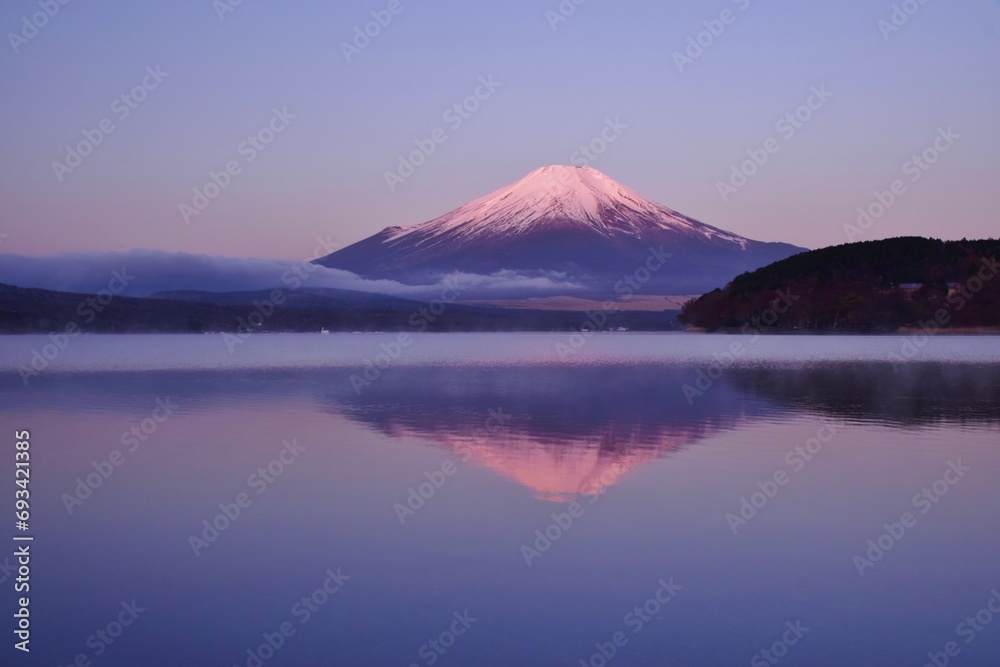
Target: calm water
[{"x": 662, "y": 499}]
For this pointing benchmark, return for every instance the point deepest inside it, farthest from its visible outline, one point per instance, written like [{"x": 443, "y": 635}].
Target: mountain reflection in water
[{"x": 569, "y": 431}]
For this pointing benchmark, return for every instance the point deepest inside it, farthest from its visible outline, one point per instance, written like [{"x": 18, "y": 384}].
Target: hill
[{"x": 873, "y": 286}]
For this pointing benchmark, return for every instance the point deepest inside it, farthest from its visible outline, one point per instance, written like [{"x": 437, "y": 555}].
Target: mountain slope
[{"x": 573, "y": 223}]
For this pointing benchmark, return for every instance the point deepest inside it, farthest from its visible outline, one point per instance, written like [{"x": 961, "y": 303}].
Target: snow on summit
[
  {"x": 562, "y": 197},
  {"x": 572, "y": 229}
]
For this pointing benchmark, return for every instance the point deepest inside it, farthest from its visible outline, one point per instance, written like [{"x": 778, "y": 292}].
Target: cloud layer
[{"x": 158, "y": 271}]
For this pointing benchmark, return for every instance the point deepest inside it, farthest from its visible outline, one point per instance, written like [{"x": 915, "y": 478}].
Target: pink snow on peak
[{"x": 559, "y": 197}]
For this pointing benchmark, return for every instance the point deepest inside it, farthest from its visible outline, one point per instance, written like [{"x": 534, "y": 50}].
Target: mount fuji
[{"x": 573, "y": 225}]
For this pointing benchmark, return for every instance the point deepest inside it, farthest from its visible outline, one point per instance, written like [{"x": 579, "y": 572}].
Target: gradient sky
[{"x": 324, "y": 175}]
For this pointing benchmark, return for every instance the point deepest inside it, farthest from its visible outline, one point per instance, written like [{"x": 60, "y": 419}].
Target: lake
[{"x": 528, "y": 499}]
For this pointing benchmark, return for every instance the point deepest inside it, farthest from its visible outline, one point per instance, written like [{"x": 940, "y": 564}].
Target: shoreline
[{"x": 903, "y": 331}]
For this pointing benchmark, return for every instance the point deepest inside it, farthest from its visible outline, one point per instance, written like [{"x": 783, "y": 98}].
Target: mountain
[
  {"x": 573, "y": 225},
  {"x": 873, "y": 286}
]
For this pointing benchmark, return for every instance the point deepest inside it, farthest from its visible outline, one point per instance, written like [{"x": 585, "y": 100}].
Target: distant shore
[
  {"x": 956, "y": 331},
  {"x": 902, "y": 331}
]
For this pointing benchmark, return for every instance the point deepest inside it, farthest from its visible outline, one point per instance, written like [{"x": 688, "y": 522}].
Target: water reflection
[
  {"x": 910, "y": 395},
  {"x": 566, "y": 431},
  {"x": 578, "y": 430},
  {"x": 556, "y": 430}
]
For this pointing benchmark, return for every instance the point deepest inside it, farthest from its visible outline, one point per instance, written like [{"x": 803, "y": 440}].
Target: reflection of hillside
[
  {"x": 569, "y": 430},
  {"x": 917, "y": 394}
]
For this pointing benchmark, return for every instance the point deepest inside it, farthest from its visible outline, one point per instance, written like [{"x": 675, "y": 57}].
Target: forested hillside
[{"x": 874, "y": 286}]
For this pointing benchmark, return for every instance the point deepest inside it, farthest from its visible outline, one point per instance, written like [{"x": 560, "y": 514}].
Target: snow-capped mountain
[{"x": 574, "y": 225}]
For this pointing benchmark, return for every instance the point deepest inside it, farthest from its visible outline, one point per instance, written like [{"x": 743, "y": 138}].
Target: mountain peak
[
  {"x": 561, "y": 181},
  {"x": 560, "y": 197},
  {"x": 562, "y": 173},
  {"x": 566, "y": 227}
]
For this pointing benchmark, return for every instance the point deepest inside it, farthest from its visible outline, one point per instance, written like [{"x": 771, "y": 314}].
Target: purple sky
[{"x": 551, "y": 87}]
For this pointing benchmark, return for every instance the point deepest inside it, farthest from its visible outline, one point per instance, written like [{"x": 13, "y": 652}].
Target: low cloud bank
[{"x": 157, "y": 271}]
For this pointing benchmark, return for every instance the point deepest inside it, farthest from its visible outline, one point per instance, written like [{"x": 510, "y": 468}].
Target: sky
[{"x": 331, "y": 114}]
